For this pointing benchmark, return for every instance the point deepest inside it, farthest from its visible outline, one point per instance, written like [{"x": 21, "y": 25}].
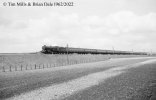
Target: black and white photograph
[{"x": 77, "y": 49}]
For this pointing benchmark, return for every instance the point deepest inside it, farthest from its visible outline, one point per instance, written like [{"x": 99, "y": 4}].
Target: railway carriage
[{"x": 70, "y": 50}]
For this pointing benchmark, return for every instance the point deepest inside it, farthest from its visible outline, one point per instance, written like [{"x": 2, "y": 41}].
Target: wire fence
[{"x": 24, "y": 67}]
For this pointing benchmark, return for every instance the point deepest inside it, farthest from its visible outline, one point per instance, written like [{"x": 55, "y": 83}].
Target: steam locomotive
[{"x": 70, "y": 50}]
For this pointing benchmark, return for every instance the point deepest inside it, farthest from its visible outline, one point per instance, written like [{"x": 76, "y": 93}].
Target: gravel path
[
  {"x": 137, "y": 83},
  {"x": 86, "y": 87}
]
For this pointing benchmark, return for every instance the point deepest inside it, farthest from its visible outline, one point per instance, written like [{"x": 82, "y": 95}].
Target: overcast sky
[{"x": 100, "y": 24}]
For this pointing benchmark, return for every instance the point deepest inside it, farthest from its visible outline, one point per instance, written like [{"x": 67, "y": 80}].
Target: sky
[{"x": 98, "y": 24}]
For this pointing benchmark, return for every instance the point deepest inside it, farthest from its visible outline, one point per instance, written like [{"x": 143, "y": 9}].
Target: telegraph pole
[
  {"x": 132, "y": 51},
  {"x": 67, "y": 54},
  {"x": 113, "y": 49},
  {"x": 3, "y": 63},
  {"x": 151, "y": 52}
]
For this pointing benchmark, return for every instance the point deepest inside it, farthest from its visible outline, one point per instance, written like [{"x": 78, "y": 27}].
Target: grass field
[
  {"x": 13, "y": 84},
  {"x": 16, "y": 62}
]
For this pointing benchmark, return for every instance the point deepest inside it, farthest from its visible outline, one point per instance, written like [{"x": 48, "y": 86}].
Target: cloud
[{"x": 124, "y": 30}]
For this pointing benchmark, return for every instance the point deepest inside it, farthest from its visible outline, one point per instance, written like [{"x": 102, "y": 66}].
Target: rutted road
[{"x": 59, "y": 83}]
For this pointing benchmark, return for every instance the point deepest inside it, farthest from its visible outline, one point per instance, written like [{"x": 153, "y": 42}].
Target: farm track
[
  {"x": 12, "y": 84},
  {"x": 135, "y": 84}
]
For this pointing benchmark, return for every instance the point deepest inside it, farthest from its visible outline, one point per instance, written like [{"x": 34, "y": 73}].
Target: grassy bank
[{"x": 18, "y": 62}]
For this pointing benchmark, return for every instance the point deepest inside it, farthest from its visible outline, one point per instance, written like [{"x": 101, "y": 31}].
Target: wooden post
[
  {"x": 26, "y": 67},
  {"x": 43, "y": 66},
  {"x": 3, "y": 69},
  {"x": 10, "y": 69},
  {"x": 31, "y": 66},
  {"x": 35, "y": 66},
  {"x": 21, "y": 67},
  {"x": 15, "y": 68}
]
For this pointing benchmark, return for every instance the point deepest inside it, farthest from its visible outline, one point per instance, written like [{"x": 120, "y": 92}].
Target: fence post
[
  {"x": 35, "y": 66},
  {"x": 43, "y": 66},
  {"x": 26, "y": 66},
  {"x": 10, "y": 68},
  {"x": 21, "y": 67},
  {"x": 15, "y": 68},
  {"x": 31, "y": 66},
  {"x": 3, "y": 69}
]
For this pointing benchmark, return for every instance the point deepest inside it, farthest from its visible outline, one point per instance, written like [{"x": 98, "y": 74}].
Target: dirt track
[
  {"x": 138, "y": 83},
  {"x": 15, "y": 83}
]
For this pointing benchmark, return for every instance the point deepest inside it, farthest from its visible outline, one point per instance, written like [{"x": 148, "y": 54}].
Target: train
[{"x": 71, "y": 50}]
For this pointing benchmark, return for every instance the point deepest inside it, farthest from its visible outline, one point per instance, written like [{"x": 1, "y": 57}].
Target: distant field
[{"x": 39, "y": 61}]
